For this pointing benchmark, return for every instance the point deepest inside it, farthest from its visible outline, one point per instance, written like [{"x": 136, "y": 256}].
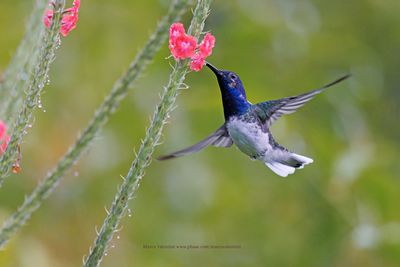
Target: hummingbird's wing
[
  {"x": 220, "y": 138},
  {"x": 270, "y": 111}
]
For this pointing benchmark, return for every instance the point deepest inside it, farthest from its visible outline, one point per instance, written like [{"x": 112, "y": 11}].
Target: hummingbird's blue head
[{"x": 232, "y": 91}]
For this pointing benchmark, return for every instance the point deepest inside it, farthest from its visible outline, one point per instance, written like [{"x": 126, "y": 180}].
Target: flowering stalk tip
[
  {"x": 68, "y": 19},
  {"x": 183, "y": 46}
]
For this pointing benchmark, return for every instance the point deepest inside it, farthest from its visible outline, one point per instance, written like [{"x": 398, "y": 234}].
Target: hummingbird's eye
[{"x": 233, "y": 76}]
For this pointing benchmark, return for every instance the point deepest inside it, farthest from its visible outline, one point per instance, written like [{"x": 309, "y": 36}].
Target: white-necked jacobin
[{"x": 247, "y": 125}]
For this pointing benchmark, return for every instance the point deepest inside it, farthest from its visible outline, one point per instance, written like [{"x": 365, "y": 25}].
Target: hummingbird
[{"x": 248, "y": 125}]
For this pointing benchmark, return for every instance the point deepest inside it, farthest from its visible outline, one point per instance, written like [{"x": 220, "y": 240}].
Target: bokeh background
[{"x": 343, "y": 210}]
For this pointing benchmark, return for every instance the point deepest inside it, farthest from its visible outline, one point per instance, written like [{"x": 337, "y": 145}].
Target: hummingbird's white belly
[{"x": 248, "y": 137}]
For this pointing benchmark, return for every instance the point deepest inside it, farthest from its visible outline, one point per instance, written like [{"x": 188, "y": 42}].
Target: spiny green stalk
[
  {"x": 37, "y": 81},
  {"x": 16, "y": 76},
  {"x": 111, "y": 102},
  {"x": 132, "y": 180}
]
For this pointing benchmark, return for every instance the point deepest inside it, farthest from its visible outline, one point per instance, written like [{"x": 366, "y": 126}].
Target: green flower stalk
[
  {"x": 132, "y": 180},
  {"x": 16, "y": 76},
  {"x": 101, "y": 116},
  {"x": 32, "y": 100}
]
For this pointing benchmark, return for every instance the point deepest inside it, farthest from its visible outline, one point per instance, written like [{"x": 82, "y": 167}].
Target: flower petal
[
  {"x": 3, "y": 129},
  {"x": 175, "y": 31},
  {"x": 197, "y": 62},
  {"x": 206, "y": 46},
  {"x": 76, "y": 4},
  {"x": 4, "y": 144},
  {"x": 68, "y": 23},
  {"x": 48, "y": 18}
]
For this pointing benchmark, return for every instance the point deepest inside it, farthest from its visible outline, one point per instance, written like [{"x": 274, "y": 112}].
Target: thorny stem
[
  {"x": 37, "y": 80},
  {"x": 132, "y": 180},
  {"x": 16, "y": 77},
  {"x": 111, "y": 102}
]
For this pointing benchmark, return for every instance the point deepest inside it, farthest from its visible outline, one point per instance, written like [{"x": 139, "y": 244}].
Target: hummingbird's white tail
[{"x": 286, "y": 163}]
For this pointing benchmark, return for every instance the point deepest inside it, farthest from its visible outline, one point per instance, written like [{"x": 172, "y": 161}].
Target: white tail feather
[
  {"x": 280, "y": 169},
  {"x": 283, "y": 166},
  {"x": 303, "y": 159}
]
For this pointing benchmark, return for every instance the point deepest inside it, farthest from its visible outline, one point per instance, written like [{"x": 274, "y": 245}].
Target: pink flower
[
  {"x": 68, "y": 23},
  {"x": 77, "y": 5},
  {"x": 68, "y": 20},
  {"x": 48, "y": 18},
  {"x": 4, "y": 144},
  {"x": 3, "y": 129},
  {"x": 197, "y": 62},
  {"x": 4, "y": 138},
  {"x": 206, "y": 46},
  {"x": 181, "y": 44},
  {"x": 205, "y": 50},
  {"x": 184, "y": 46},
  {"x": 175, "y": 31}
]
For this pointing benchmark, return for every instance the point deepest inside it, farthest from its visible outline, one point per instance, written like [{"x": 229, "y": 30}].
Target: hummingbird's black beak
[{"x": 214, "y": 69}]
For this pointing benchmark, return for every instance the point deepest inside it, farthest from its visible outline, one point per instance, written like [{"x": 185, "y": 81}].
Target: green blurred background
[{"x": 343, "y": 210}]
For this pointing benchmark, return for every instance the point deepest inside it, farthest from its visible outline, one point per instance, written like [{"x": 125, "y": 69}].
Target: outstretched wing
[
  {"x": 270, "y": 111},
  {"x": 220, "y": 138}
]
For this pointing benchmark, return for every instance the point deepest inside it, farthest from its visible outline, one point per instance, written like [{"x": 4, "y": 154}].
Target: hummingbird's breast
[{"x": 249, "y": 135}]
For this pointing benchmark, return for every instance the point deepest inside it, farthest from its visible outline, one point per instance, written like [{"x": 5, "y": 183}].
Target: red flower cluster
[
  {"x": 184, "y": 46},
  {"x": 68, "y": 20},
  {"x": 4, "y": 138}
]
